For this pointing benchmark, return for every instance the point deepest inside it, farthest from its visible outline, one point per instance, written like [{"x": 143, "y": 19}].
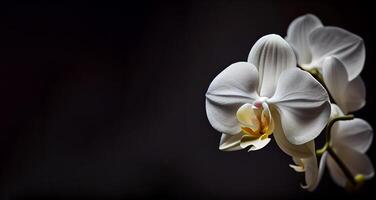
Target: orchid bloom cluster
[{"x": 293, "y": 89}]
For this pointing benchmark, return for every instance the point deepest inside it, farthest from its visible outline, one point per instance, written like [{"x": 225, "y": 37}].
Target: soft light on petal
[
  {"x": 356, "y": 94},
  {"x": 230, "y": 142},
  {"x": 256, "y": 143},
  {"x": 298, "y": 35},
  {"x": 349, "y": 95},
  {"x": 309, "y": 166},
  {"x": 356, "y": 134},
  {"x": 311, "y": 173},
  {"x": 233, "y": 87},
  {"x": 322, "y": 164},
  {"x": 335, "y": 172},
  {"x": 333, "y": 41},
  {"x": 356, "y": 162},
  {"x": 303, "y": 106},
  {"x": 298, "y": 167},
  {"x": 335, "y": 111},
  {"x": 271, "y": 55},
  {"x": 267, "y": 119},
  {"x": 299, "y": 151},
  {"x": 247, "y": 117}
]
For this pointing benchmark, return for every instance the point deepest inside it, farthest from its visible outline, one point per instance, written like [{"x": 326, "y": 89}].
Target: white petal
[
  {"x": 356, "y": 162},
  {"x": 356, "y": 134},
  {"x": 298, "y": 34},
  {"x": 247, "y": 117},
  {"x": 302, "y": 104},
  {"x": 335, "y": 172},
  {"x": 334, "y": 41},
  {"x": 311, "y": 172},
  {"x": 271, "y": 55},
  {"x": 349, "y": 95},
  {"x": 255, "y": 143},
  {"x": 230, "y": 142},
  {"x": 335, "y": 78},
  {"x": 322, "y": 164},
  {"x": 300, "y": 151},
  {"x": 355, "y": 94},
  {"x": 335, "y": 111},
  {"x": 233, "y": 87},
  {"x": 297, "y": 168}
]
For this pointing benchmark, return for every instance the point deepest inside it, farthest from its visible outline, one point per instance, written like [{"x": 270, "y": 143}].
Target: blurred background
[{"x": 106, "y": 101}]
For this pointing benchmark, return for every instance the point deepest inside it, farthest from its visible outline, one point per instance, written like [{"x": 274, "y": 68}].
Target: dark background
[{"x": 107, "y": 100}]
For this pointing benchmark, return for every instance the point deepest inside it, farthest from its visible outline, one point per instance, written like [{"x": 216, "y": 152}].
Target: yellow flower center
[{"x": 255, "y": 119}]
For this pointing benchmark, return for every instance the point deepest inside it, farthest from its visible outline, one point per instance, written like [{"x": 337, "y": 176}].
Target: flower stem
[
  {"x": 328, "y": 148},
  {"x": 323, "y": 149},
  {"x": 328, "y": 132},
  {"x": 331, "y": 123},
  {"x": 341, "y": 165}
]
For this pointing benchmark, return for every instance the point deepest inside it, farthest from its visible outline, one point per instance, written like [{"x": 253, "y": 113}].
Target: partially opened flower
[
  {"x": 330, "y": 50},
  {"x": 349, "y": 141},
  {"x": 249, "y": 101}
]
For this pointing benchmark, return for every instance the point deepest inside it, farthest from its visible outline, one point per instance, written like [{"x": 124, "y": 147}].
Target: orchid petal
[
  {"x": 255, "y": 143},
  {"x": 298, "y": 35},
  {"x": 356, "y": 94},
  {"x": 356, "y": 134},
  {"x": 356, "y": 162},
  {"x": 302, "y": 102},
  {"x": 299, "y": 151},
  {"x": 335, "y": 172},
  {"x": 309, "y": 166},
  {"x": 297, "y": 168},
  {"x": 311, "y": 172},
  {"x": 233, "y": 87},
  {"x": 271, "y": 55},
  {"x": 247, "y": 117},
  {"x": 230, "y": 142},
  {"x": 333, "y": 41},
  {"x": 322, "y": 164},
  {"x": 335, "y": 112},
  {"x": 349, "y": 95}
]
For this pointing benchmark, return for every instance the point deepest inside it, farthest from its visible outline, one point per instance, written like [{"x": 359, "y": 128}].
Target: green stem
[
  {"x": 322, "y": 149},
  {"x": 331, "y": 123},
  {"x": 341, "y": 165},
  {"x": 328, "y": 131},
  {"x": 328, "y": 148}
]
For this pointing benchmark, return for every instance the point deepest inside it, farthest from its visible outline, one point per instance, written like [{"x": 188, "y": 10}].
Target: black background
[{"x": 107, "y": 100}]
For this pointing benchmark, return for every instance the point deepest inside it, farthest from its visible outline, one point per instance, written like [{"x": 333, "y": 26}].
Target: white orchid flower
[
  {"x": 336, "y": 53},
  {"x": 248, "y": 101},
  {"x": 349, "y": 140}
]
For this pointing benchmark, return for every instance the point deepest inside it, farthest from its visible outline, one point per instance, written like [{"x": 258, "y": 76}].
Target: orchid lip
[{"x": 255, "y": 119}]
